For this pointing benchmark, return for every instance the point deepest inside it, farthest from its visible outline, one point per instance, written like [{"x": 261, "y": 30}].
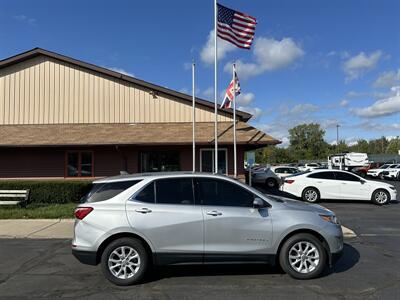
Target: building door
[{"x": 207, "y": 161}]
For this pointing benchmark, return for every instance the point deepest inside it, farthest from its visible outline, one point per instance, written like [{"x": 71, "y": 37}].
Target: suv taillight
[
  {"x": 290, "y": 181},
  {"x": 82, "y": 212}
]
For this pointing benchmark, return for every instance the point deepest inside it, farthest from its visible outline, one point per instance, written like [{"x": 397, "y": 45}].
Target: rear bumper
[{"x": 86, "y": 257}]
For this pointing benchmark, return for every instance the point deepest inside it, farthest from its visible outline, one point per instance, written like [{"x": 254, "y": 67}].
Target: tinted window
[
  {"x": 146, "y": 194},
  {"x": 223, "y": 193},
  {"x": 280, "y": 170},
  {"x": 105, "y": 191},
  {"x": 174, "y": 191},
  {"x": 322, "y": 175},
  {"x": 346, "y": 176}
]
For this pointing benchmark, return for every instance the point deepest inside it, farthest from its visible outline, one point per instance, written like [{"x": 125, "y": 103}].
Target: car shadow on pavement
[
  {"x": 348, "y": 260},
  {"x": 212, "y": 270}
]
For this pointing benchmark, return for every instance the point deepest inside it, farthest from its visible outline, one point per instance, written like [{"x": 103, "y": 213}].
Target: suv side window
[
  {"x": 108, "y": 190},
  {"x": 322, "y": 175},
  {"x": 146, "y": 194},
  {"x": 174, "y": 191},
  {"x": 223, "y": 193},
  {"x": 346, "y": 176}
]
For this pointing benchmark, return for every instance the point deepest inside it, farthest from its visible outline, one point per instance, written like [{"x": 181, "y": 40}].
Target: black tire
[
  {"x": 289, "y": 264},
  {"x": 380, "y": 176},
  {"x": 143, "y": 260},
  {"x": 380, "y": 197},
  {"x": 311, "y": 195},
  {"x": 271, "y": 183}
]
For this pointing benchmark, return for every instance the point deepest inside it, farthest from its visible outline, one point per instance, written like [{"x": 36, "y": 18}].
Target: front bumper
[
  {"x": 86, "y": 257},
  {"x": 334, "y": 257}
]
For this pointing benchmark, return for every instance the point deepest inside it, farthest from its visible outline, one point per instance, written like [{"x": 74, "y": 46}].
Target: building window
[
  {"x": 207, "y": 158},
  {"x": 159, "y": 161},
  {"x": 79, "y": 164}
]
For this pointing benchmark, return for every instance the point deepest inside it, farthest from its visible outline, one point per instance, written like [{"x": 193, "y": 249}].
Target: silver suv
[{"x": 131, "y": 222}]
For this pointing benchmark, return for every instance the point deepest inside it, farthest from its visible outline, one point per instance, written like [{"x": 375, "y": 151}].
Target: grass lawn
[{"x": 38, "y": 211}]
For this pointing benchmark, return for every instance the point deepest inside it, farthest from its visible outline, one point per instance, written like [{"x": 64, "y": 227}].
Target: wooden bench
[{"x": 7, "y": 197}]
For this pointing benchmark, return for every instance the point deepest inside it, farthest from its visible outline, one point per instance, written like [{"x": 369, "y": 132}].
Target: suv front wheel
[
  {"x": 124, "y": 261},
  {"x": 302, "y": 256}
]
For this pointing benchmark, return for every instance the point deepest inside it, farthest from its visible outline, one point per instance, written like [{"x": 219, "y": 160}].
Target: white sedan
[{"x": 335, "y": 184}]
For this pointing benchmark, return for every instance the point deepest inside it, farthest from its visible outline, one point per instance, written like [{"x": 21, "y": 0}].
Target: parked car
[
  {"x": 362, "y": 171},
  {"x": 309, "y": 167},
  {"x": 392, "y": 173},
  {"x": 130, "y": 222},
  {"x": 271, "y": 177},
  {"x": 377, "y": 172},
  {"x": 335, "y": 184}
]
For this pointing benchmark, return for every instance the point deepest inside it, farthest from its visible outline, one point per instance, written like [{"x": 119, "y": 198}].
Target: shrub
[{"x": 51, "y": 191}]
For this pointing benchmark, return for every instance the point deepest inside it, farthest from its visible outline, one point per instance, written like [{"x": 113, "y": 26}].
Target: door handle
[
  {"x": 214, "y": 213},
  {"x": 143, "y": 210}
]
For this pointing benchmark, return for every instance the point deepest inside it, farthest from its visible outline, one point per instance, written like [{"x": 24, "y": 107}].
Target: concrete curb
[{"x": 348, "y": 233}]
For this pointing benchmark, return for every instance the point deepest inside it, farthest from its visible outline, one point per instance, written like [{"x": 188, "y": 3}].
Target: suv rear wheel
[
  {"x": 124, "y": 261},
  {"x": 302, "y": 256}
]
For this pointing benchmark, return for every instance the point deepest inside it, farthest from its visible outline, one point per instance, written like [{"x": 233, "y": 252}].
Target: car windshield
[{"x": 384, "y": 166}]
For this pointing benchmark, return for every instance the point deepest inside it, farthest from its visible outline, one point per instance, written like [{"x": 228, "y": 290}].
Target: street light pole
[{"x": 337, "y": 135}]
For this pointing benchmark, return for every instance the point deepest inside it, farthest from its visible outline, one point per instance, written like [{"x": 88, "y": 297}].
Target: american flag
[
  {"x": 227, "y": 102},
  {"x": 235, "y": 27}
]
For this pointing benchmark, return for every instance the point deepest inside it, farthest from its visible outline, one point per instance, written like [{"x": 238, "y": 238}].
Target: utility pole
[{"x": 337, "y": 135}]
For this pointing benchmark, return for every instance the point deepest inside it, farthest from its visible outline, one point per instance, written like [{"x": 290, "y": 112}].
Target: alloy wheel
[
  {"x": 311, "y": 195},
  {"x": 304, "y": 257},
  {"x": 381, "y": 197},
  {"x": 124, "y": 262}
]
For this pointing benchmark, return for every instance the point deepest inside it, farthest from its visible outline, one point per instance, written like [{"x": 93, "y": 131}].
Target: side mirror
[
  {"x": 258, "y": 203},
  {"x": 363, "y": 181}
]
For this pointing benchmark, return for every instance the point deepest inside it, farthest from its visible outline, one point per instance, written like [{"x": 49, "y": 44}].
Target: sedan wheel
[
  {"x": 302, "y": 256},
  {"x": 310, "y": 195},
  {"x": 380, "y": 197}
]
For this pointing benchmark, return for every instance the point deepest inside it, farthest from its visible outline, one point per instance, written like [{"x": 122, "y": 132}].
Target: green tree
[{"x": 307, "y": 141}]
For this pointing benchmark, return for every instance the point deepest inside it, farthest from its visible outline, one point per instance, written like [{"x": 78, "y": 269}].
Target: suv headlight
[{"x": 330, "y": 218}]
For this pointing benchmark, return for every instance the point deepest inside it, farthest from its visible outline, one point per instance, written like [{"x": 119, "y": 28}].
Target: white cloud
[
  {"x": 255, "y": 111},
  {"x": 120, "y": 70},
  {"x": 269, "y": 55},
  {"x": 25, "y": 19},
  {"x": 299, "y": 110},
  {"x": 207, "y": 53},
  {"x": 383, "y": 107},
  {"x": 344, "y": 103},
  {"x": 356, "y": 66},
  {"x": 245, "y": 99},
  {"x": 387, "y": 79},
  {"x": 184, "y": 90}
]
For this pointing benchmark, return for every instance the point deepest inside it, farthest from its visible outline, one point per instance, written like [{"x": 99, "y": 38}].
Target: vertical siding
[{"x": 45, "y": 91}]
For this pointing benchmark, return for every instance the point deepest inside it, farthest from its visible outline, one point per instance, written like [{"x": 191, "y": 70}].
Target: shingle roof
[
  {"x": 244, "y": 116},
  {"x": 129, "y": 134}
]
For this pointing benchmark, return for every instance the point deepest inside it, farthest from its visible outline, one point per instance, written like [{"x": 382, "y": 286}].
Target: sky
[{"x": 330, "y": 62}]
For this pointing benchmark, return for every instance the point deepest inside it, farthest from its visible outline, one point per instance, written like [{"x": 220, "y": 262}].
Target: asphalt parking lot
[{"x": 369, "y": 269}]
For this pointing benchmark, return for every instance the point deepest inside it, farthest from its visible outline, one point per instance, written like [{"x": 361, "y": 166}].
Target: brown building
[{"x": 61, "y": 118}]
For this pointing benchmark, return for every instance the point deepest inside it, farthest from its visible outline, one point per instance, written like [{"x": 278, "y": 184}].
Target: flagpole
[
  {"x": 193, "y": 121},
  {"x": 215, "y": 90},
  {"x": 234, "y": 122}
]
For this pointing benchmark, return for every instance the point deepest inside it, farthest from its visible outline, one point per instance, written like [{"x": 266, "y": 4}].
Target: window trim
[
  {"x": 213, "y": 157},
  {"x": 79, "y": 163}
]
